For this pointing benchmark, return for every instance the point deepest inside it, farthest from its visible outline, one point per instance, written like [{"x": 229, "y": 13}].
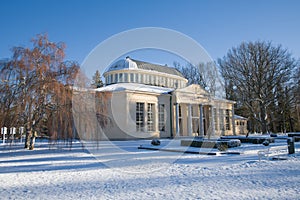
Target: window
[
  {"x": 152, "y": 81},
  {"x": 221, "y": 119},
  {"x": 111, "y": 79},
  {"x": 147, "y": 79},
  {"x": 139, "y": 119},
  {"x": 121, "y": 78},
  {"x": 131, "y": 78},
  {"x": 161, "y": 117},
  {"x": 137, "y": 77},
  {"x": 176, "y": 84},
  {"x": 126, "y": 78},
  {"x": 150, "y": 119},
  {"x": 116, "y": 78},
  {"x": 227, "y": 120},
  {"x": 171, "y": 83}
]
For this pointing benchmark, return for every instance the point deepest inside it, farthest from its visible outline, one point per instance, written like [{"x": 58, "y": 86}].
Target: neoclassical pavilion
[{"x": 145, "y": 100}]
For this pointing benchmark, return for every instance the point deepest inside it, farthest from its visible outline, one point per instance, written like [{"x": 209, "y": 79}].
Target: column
[
  {"x": 212, "y": 121},
  {"x": 155, "y": 117},
  {"x": 232, "y": 120},
  {"x": 189, "y": 120},
  {"x": 4, "y": 132},
  {"x": 201, "y": 121},
  {"x": 177, "y": 119}
]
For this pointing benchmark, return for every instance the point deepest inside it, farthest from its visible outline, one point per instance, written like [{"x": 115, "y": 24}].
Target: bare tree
[
  {"x": 204, "y": 74},
  {"x": 36, "y": 87},
  {"x": 255, "y": 70}
]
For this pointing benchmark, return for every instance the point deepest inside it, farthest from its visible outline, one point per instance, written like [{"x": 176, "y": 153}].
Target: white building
[{"x": 144, "y": 100}]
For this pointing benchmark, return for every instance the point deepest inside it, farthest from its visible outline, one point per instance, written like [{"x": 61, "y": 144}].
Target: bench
[{"x": 273, "y": 153}]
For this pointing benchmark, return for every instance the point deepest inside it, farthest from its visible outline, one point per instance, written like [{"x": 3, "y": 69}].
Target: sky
[{"x": 217, "y": 25}]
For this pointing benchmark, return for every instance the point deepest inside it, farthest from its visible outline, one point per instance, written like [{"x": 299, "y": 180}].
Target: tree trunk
[
  {"x": 30, "y": 138},
  {"x": 263, "y": 119},
  {"x": 27, "y": 137}
]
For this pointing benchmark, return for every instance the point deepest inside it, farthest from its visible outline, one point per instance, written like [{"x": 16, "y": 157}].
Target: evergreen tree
[{"x": 97, "y": 82}]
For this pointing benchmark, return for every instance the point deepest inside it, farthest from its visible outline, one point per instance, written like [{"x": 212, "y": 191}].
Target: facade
[
  {"x": 144, "y": 100},
  {"x": 240, "y": 125}
]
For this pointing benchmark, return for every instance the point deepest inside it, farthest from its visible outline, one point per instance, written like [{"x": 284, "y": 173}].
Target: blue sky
[{"x": 217, "y": 25}]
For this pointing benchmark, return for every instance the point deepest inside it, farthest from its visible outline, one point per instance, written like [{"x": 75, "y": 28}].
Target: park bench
[{"x": 273, "y": 153}]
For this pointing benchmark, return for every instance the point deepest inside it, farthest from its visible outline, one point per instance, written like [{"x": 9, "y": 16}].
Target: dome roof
[{"x": 129, "y": 63}]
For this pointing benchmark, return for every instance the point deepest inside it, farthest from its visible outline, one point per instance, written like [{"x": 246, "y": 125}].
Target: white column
[
  {"x": 189, "y": 120},
  {"x": 145, "y": 128},
  {"x": 155, "y": 117},
  {"x": 233, "y": 121},
  {"x": 12, "y": 132},
  {"x": 177, "y": 119},
  {"x": 21, "y": 132},
  {"x": 4, "y": 132},
  {"x": 201, "y": 120},
  {"x": 212, "y": 121}
]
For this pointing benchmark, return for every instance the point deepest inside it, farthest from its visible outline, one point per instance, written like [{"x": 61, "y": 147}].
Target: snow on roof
[
  {"x": 129, "y": 63},
  {"x": 134, "y": 87},
  {"x": 239, "y": 117}
]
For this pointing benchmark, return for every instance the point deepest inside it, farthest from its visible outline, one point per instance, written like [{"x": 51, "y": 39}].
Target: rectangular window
[
  {"x": 131, "y": 78},
  {"x": 150, "y": 119},
  {"x": 116, "y": 78},
  {"x": 147, "y": 79},
  {"x": 139, "y": 119},
  {"x": 227, "y": 119},
  {"x": 126, "y": 78},
  {"x": 121, "y": 78},
  {"x": 161, "y": 117},
  {"x": 221, "y": 119},
  {"x": 152, "y": 81}
]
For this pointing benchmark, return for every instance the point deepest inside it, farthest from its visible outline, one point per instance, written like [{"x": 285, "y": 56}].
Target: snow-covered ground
[{"x": 119, "y": 170}]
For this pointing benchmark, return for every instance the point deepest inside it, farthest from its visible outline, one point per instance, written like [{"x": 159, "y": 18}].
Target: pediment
[{"x": 192, "y": 89}]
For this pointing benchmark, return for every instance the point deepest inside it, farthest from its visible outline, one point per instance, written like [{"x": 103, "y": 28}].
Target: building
[
  {"x": 145, "y": 100},
  {"x": 240, "y": 125}
]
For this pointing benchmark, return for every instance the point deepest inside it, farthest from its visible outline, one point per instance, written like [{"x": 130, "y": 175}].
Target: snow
[
  {"x": 135, "y": 87},
  {"x": 119, "y": 170}
]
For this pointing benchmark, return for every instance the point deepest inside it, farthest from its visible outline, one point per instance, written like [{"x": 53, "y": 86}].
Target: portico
[{"x": 196, "y": 113}]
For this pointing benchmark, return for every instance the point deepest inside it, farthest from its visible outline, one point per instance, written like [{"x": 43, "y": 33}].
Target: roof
[
  {"x": 129, "y": 63},
  {"x": 239, "y": 117},
  {"x": 136, "y": 87},
  {"x": 158, "y": 68}
]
